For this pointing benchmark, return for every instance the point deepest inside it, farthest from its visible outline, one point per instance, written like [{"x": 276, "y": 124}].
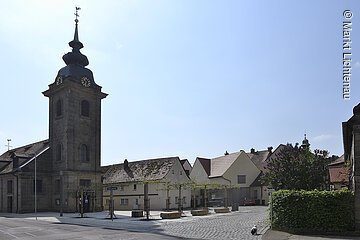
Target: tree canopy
[{"x": 297, "y": 168}]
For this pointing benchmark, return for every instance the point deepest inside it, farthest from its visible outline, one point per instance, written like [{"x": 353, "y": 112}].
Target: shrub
[{"x": 313, "y": 211}]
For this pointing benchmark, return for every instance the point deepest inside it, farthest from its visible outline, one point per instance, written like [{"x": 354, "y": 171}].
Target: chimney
[
  {"x": 252, "y": 150},
  {"x": 126, "y": 164},
  {"x": 270, "y": 149},
  {"x": 15, "y": 160},
  {"x": 226, "y": 153}
]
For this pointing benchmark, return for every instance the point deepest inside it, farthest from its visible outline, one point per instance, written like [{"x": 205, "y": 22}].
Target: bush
[{"x": 313, "y": 211}]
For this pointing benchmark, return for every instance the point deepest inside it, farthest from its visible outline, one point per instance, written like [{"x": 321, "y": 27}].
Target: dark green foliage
[
  {"x": 313, "y": 211},
  {"x": 297, "y": 168}
]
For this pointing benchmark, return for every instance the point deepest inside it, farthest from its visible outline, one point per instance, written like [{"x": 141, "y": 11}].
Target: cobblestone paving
[{"x": 234, "y": 225}]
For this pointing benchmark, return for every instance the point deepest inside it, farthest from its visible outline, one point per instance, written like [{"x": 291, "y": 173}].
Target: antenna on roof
[{"x": 8, "y": 144}]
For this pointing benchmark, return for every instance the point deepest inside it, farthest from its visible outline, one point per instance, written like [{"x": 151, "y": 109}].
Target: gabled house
[
  {"x": 233, "y": 171},
  {"x": 186, "y": 165},
  {"x": 339, "y": 174},
  {"x": 259, "y": 190},
  {"x": 17, "y": 178},
  {"x": 163, "y": 176}
]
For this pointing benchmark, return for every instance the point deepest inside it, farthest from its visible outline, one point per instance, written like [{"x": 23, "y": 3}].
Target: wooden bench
[
  {"x": 137, "y": 213},
  {"x": 170, "y": 215},
  {"x": 199, "y": 212},
  {"x": 221, "y": 210}
]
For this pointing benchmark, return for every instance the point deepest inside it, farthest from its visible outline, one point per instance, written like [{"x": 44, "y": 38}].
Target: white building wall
[
  {"x": 128, "y": 197},
  {"x": 198, "y": 173},
  {"x": 242, "y": 166}
]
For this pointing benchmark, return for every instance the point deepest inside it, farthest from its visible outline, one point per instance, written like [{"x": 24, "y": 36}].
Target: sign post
[{"x": 111, "y": 210}]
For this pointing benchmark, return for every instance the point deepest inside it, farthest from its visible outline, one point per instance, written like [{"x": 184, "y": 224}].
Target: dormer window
[{"x": 85, "y": 108}]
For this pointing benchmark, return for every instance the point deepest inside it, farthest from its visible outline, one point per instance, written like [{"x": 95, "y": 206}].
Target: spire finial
[
  {"x": 75, "y": 56},
  {"x": 77, "y": 14}
]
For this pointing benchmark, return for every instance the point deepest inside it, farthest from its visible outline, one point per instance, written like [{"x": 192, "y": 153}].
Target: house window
[
  {"x": 134, "y": 187},
  {"x": 85, "y": 108},
  {"x": 38, "y": 186},
  {"x": 58, "y": 152},
  {"x": 84, "y": 153},
  {"x": 173, "y": 171},
  {"x": 124, "y": 201},
  {"x": 121, "y": 188},
  {"x": 59, "y": 108},
  {"x": 184, "y": 200},
  {"x": 176, "y": 200},
  {"x": 57, "y": 186},
  {"x": 136, "y": 201},
  {"x": 85, "y": 182},
  {"x": 180, "y": 172},
  {"x": 241, "y": 179},
  {"x": 9, "y": 186}
]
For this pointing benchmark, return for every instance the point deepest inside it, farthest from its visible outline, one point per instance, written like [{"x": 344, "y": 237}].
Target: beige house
[
  {"x": 168, "y": 184},
  {"x": 239, "y": 172},
  {"x": 234, "y": 172}
]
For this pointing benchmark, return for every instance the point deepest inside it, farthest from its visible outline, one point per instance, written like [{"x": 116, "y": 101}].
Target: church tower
[{"x": 75, "y": 132}]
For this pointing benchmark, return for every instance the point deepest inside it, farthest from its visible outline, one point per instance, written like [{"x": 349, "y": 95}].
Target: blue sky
[{"x": 185, "y": 78}]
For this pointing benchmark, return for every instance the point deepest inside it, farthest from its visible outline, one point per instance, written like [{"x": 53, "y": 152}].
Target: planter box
[
  {"x": 221, "y": 210},
  {"x": 137, "y": 213},
  {"x": 200, "y": 212},
  {"x": 170, "y": 215}
]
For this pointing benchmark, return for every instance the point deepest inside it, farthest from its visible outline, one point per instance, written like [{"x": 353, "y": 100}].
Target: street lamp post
[
  {"x": 35, "y": 190},
  {"x": 61, "y": 193}
]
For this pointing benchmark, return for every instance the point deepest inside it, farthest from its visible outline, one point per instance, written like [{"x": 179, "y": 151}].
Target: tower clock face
[
  {"x": 58, "y": 80},
  {"x": 85, "y": 82}
]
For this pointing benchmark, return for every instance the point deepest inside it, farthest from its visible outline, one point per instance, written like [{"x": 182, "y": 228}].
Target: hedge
[{"x": 313, "y": 211}]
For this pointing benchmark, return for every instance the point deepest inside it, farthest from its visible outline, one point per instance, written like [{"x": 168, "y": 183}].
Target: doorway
[{"x": 10, "y": 204}]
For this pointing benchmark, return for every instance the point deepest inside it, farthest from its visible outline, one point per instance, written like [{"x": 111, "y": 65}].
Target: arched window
[
  {"x": 58, "y": 152},
  {"x": 59, "y": 108},
  {"x": 85, "y": 108},
  {"x": 84, "y": 153}
]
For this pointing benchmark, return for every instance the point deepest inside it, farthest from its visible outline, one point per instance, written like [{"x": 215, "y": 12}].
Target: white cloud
[
  {"x": 357, "y": 64},
  {"x": 322, "y": 138}
]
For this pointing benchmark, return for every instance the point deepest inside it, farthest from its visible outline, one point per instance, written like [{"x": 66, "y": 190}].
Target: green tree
[{"x": 297, "y": 168}]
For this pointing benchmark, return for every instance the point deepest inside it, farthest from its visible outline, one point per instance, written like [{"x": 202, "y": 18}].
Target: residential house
[
  {"x": 261, "y": 191},
  {"x": 227, "y": 177},
  {"x": 166, "y": 178},
  {"x": 339, "y": 174},
  {"x": 187, "y": 166},
  {"x": 258, "y": 190},
  {"x": 17, "y": 179}
]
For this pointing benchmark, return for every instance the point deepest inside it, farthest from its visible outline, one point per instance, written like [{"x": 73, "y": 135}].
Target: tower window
[
  {"x": 84, "y": 153},
  {"x": 58, "y": 152},
  {"x": 85, "y": 108},
  {"x": 59, "y": 108}
]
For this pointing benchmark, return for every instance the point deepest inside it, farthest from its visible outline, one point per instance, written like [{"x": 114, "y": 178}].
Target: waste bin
[{"x": 235, "y": 207}]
